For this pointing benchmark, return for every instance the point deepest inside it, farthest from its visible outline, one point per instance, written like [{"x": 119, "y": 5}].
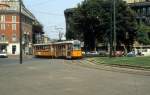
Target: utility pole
[
  {"x": 114, "y": 24},
  {"x": 111, "y": 31},
  {"x": 20, "y": 24}
]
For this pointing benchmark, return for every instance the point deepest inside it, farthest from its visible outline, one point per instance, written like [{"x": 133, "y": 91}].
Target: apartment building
[{"x": 10, "y": 27}]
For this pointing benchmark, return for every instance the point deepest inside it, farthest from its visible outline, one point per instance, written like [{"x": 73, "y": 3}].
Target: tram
[{"x": 65, "y": 49}]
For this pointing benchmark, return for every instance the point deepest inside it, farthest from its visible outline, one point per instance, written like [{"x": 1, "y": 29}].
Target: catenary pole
[
  {"x": 114, "y": 25},
  {"x": 111, "y": 31},
  {"x": 20, "y": 31}
]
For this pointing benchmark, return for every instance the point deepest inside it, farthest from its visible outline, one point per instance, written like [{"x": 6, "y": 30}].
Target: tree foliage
[
  {"x": 143, "y": 34},
  {"x": 91, "y": 22}
]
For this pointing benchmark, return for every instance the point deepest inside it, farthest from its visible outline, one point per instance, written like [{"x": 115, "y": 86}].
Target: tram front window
[{"x": 77, "y": 47}]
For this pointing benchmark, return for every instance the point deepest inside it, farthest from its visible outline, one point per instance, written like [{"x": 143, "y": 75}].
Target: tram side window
[
  {"x": 69, "y": 47},
  {"x": 63, "y": 47},
  {"x": 37, "y": 47},
  {"x": 40, "y": 48},
  {"x": 46, "y": 47}
]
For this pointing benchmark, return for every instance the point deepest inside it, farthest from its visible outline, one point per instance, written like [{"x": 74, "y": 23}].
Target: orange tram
[{"x": 65, "y": 49}]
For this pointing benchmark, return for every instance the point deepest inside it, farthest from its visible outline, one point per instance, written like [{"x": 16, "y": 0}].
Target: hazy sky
[{"x": 50, "y": 13}]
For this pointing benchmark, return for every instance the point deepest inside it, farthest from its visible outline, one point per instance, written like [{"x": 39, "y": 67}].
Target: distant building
[
  {"x": 68, "y": 16},
  {"x": 38, "y": 33},
  {"x": 142, "y": 8},
  {"x": 45, "y": 39},
  {"x": 135, "y": 1},
  {"x": 9, "y": 27}
]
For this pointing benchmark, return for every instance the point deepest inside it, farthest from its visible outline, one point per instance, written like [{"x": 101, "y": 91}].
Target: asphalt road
[
  {"x": 15, "y": 60},
  {"x": 60, "y": 77}
]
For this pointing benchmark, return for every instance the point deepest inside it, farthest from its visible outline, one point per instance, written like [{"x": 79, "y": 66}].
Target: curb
[
  {"x": 121, "y": 65},
  {"x": 130, "y": 67},
  {"x": 115, "y": 68}
]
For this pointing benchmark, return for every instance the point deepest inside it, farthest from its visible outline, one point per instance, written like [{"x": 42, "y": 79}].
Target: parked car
[
  {"x": 118, "y": 53},
  {"x": 3, "y": 54},
  {"x": 92, "y": 53},
  {"x": 131, "y": 54},
  {"x": 103, "y": 53}
]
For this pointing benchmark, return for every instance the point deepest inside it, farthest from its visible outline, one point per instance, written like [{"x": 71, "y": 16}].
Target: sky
[{"x": 50, "y": 13}]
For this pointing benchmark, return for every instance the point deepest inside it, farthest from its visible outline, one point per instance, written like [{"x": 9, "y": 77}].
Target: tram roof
[
  {"x": 63, "y": 42},
  {"x": 68, "y": 42}
]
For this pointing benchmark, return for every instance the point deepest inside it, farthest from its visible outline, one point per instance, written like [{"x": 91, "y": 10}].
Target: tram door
[{"x": 69, "y": 49}]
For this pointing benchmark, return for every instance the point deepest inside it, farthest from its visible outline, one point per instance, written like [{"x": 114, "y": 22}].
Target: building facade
[
  {"x": 10, "y": 27},
  {"x": 135, "y": 1},
  {"x": 142, "y": 8},
  {"x": 37, "y": 33}
]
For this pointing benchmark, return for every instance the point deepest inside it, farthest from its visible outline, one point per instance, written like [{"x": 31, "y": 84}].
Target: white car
[
  {"x": 92, "y": 53},
  {"x": 3, "y": 54}
]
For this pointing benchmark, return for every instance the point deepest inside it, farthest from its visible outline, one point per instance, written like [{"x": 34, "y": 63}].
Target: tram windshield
[{"x": 76, "y": 46}]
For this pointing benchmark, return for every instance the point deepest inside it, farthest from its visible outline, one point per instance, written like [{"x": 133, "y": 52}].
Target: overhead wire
[
  {"x": 40, "y": 3},
  {"x": 48, "y": 13}
]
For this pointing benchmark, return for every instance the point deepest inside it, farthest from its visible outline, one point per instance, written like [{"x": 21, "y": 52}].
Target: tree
[
  {"x": 143, "y": 34},
  {"x": 60, "y": 35},
  {"x": 92, "y": 20}
]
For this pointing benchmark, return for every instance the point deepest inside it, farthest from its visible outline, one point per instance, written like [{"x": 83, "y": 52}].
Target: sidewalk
[{"x": 18, "y": 56}]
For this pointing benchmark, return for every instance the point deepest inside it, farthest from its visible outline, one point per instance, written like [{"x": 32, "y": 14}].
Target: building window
[
  {"x": 144, "y": 11},
  {"x": 14, "y": 19},
  {"x": 13, "y": 26},
  {"x": 2, "y": 18},
  {"x": 148, "y": 11},
  {"x": 3, "y": 27},
  {"x": 14, "y": 37},
  {"x": 2, "y": 38}
]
